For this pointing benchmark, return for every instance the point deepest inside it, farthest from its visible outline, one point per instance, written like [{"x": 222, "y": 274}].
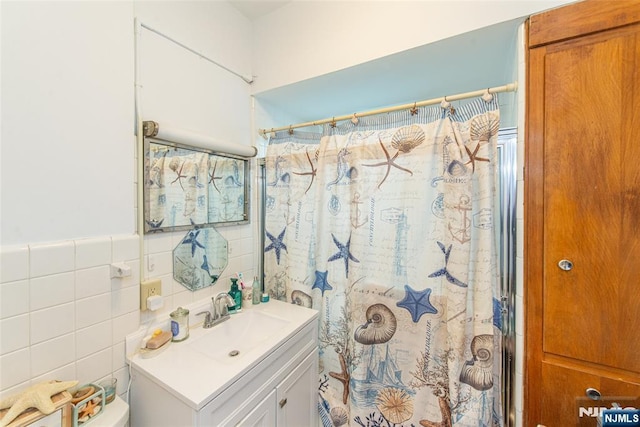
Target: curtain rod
[
  {"x": 206, "y": 58},
  {"x": 510, "y": 87}
]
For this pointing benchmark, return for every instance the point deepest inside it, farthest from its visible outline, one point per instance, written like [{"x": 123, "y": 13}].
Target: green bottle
[
  {"x": 236, "y": 294},
  {"x": 257, "y": 291}
]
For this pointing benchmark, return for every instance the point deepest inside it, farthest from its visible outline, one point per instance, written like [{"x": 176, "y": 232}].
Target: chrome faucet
[{"x": 220, "y": 310}]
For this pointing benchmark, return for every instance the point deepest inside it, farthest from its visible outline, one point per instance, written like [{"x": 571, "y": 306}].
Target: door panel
[
  {"x": 565, "y": 402},
  {"x": 583, "y": 185},
  {"x": 582, "y": 203}
]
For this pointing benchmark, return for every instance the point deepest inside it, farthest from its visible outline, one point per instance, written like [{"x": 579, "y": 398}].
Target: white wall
[
  {"x": 68, "y": 196},
  {"x": 67, "y": 167},
  {"x": 306, "y": 39}
]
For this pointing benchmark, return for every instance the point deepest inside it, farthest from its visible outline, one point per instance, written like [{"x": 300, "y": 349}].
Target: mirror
[
  {"x": 186, "y": 187},
  {"x": 200, "y": 258}
]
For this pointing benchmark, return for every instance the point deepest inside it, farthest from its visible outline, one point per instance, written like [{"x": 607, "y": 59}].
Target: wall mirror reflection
[{"x": 186, "y": 187}]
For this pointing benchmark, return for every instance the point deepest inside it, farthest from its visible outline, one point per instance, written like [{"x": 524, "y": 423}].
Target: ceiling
[{"x": 253, "y": 9}]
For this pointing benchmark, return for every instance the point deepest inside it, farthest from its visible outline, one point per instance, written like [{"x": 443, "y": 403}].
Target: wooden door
[{"x": 582, "y": 179}]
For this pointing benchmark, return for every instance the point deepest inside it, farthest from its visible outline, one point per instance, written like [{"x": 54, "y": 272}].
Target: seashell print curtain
[{"x": 386, "y": 228}]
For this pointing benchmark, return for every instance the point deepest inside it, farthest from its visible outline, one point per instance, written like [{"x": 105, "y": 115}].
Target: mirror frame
[{"x": 148, "y": 228}]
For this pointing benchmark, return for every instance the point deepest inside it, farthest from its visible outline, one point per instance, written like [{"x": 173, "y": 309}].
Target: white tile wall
[
  {"x": 59, "y": 310},
  {"x": 92, "y": 252},
  {"x": 51, "y": 258},
  {"x": 14, "y": 333},
  {"x": 53, "y": 354},
  {"x": 52, "y": 290},
  {"x": 52, "y": 322},
  {"x": 14, "y": 298},
  {"x": 19, "y": 371},
  {"x": 14, "y": 264},
  {"x": 63, "y": 317}
]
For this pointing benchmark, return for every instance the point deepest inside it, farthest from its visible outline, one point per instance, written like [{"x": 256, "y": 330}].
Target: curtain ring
[
  {"x": 487, "y": 96},
  {"x": 414, "y": 110},
  {"x": 354, "y": 119},
  {"x": 333, "y": 122},
  {"x": 290, "y": 130},
  {"x": 445, "y": 104}
]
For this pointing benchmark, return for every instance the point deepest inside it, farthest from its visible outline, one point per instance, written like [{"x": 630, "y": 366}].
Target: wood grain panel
[
  {"x": 582, "y": 186},
  {"x": 534, "y": 224},
  {"x": 630, "y": 199},
  {"x": 582, "y": 202},
  {"x": 581, "y": 18},
  {"x": 564, "y": 394}
]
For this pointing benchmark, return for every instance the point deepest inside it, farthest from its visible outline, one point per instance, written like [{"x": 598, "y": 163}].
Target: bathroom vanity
[{"x": 260, "y": 367}]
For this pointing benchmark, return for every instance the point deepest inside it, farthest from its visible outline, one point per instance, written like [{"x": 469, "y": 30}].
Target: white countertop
[{"x": 196, "y": 378}]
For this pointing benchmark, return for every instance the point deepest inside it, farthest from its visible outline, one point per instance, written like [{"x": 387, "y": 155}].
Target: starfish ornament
[
  {"x": 321, "y": 282},
  {"x": 37, "y": 396},
  {"x": 88, "y": 410},
  {"x": 343, "y": 252},
  {"x": 276, "y": 244},
  {"x": 417, "y": 303}
]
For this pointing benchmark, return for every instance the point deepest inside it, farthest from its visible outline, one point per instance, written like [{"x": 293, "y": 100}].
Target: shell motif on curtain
[{"x": 386, "y": 228}]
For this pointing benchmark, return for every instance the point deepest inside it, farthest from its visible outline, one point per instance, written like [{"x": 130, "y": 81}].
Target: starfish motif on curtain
[
  {"x": 473, "y": 158},
  {"x": 391, "y": 161},
  {"x": 443, "y": 271},
  {"x": 321, "y": 282},
  {"x": 344, "y": 377},
  {"x": 497, "y": 313},
  {"x": 180, "y": 176},
  {"x": 343, "y": 252},
  {"x": 154, "y": 224},
  {"x": 276, "y": 244},
  {"x": 313, "y": 172},
  {"x": 213, "y": 177},
  {"x": 192, "y": 238},
  {"x": 205, "y": 264},
  {"x": 417, "y": 303}
]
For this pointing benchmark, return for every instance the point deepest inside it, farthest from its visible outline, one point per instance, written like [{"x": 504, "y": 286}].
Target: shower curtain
[{"x": 386, "y": 227}]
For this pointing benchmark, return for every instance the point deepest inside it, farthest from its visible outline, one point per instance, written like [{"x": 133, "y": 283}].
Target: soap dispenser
[{"x": 236, "y": 294}]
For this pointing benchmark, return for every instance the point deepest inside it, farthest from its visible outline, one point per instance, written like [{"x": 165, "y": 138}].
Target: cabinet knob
[
  {"x": 592, "y": 393},
  {"x": 283, "y": 402},
  {"x": 565, "y": 264}
]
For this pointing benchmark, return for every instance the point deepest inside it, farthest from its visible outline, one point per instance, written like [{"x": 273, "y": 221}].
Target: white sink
[
  {"x": 199, "y": 368},
  {"x": 230, "y": 340}
]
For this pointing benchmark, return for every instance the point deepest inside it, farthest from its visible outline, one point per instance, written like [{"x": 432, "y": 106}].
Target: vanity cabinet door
[
  {"x": 263, "y": 415},
  {"x": 297, "y": 395}
]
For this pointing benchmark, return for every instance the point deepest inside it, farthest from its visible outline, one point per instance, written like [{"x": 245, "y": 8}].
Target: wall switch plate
[{"x": 149, "y": 288}]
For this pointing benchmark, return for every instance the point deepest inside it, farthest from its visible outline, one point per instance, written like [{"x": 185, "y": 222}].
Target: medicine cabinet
[{"x": 187, "y": 187}]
